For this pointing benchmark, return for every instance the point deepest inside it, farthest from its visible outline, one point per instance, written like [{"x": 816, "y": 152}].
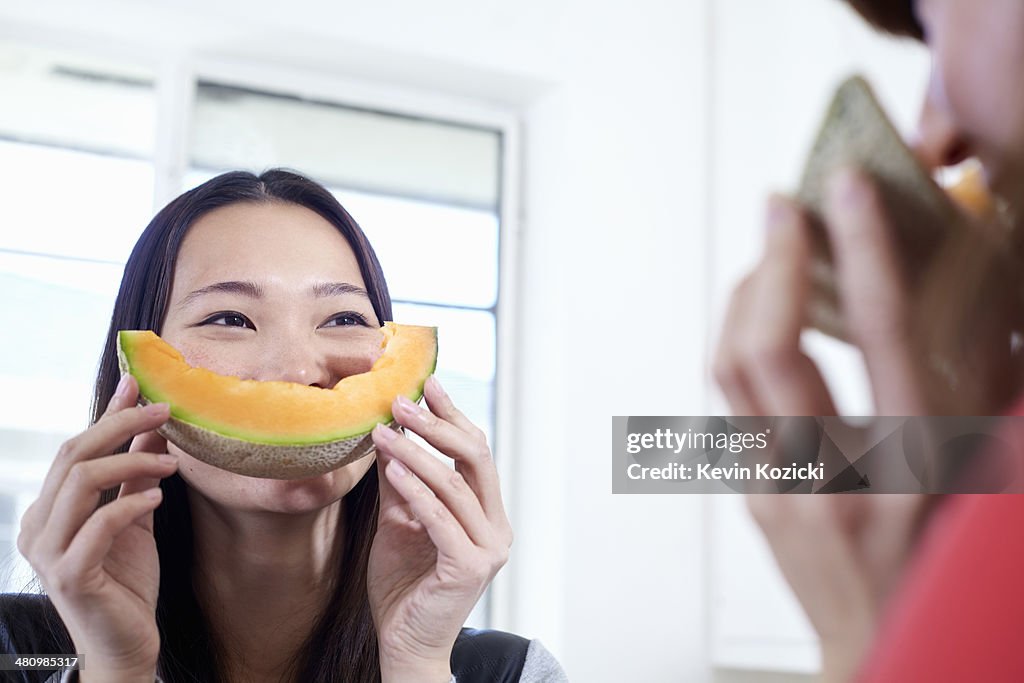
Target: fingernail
[
  {"x": 437, "y": 386},
  {"x": 153, "y": 494},
  {"x": 846, "y": 187},
  {"x": 122, "y": 386},
  {"x": 400, "y": 469},
  {"x": 167, "y": 459},
  {"x": 385, "y": 433},
  {"x": 409, "y": 405},
  {"x": 778, "y": 212},
  {"x": 156, "y": 409},
  {"x": 414, "y": 411}
]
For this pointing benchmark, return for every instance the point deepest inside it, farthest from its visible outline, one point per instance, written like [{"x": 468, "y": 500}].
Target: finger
[
  {"x": 444, "y": 530},
  {"x": 86, "y": 480},
  {"x": 147, "y": 442},
  {"x": 101, "y": 439},
  {"x": 448, "y": 485},
  {"x": 439, "y": 433},
  {"x": 785, "y": 380},
  {"x": 469, "y": 450},
  {"x": 475, "y": 462},
  {"x": 872, "y": 291},
  {"x": 390, "y": 500},
  {"x": 93, "y": 541},
  {"x": 124, "y": 395},
  {"x": 728, "y": 369},
  {"x": 441, "y": 404}
]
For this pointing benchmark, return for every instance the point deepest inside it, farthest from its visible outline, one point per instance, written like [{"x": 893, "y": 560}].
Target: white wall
[{"x": 615, "y": 202}]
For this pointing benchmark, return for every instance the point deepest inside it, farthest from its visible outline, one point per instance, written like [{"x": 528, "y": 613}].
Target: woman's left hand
[{"x": 442, "y": 535}]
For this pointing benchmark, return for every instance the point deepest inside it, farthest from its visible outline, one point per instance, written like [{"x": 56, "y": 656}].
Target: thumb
[
  {"x": 147, "y": 442},
  {"x": 125, "y": 395},
  {"x": 390, "y": 499},
  {"x": 392, "y": 506}
]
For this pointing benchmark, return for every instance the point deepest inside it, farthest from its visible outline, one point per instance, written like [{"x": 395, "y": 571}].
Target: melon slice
[{"x": 279, "y": 430}]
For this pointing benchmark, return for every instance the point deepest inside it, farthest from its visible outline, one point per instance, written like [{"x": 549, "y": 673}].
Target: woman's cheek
[
  {"x": 355, "y": 354},
  {"x": 201, "y": 356},
  {"x": 981, "y": 56}
]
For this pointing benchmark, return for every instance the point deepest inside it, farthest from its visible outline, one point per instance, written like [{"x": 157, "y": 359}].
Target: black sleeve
[
  {"x": 29, "y": 625},
  {"x": 481, "y": 656}
]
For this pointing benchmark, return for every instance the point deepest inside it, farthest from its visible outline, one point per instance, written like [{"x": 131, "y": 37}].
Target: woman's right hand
[{"x": 99, "y": 565}]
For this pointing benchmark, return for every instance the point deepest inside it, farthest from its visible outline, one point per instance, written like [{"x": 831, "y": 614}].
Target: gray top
[{"x": 541, "y": 666}]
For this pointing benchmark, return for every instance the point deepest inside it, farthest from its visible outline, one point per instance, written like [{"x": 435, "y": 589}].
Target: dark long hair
[{"x": 343, "y": 644}]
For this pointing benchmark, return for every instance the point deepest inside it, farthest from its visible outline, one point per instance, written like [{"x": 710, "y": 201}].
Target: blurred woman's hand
[
  {"x": 99, "y": 566},
  {"x": 442, "y": 535},
  {"x": 917, "y": 363},
  {"x": 842, "y": 554}
]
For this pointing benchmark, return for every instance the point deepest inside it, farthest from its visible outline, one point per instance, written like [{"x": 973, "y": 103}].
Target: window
[{"x": 76, "y": 184}]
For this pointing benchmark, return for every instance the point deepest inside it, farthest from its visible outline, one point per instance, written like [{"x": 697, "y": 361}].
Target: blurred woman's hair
[
  {"x": 893, "y": 16},
  {"x": 343, "y": 643}
]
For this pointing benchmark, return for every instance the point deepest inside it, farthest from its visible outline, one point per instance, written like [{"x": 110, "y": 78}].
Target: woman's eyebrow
[
  {"x": 325, "y": 289},
  {"x": 243, "y": 287}
]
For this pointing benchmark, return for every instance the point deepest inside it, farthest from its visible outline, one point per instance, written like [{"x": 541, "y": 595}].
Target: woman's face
[
  {"x": 975, "y": 102},
  {"x": 271, "y": 291}
]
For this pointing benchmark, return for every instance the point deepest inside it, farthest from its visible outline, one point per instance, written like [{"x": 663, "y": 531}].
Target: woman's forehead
[{"x": 250, "y": 241}]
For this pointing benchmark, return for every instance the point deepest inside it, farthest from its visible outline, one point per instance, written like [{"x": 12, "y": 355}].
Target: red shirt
[{"x": 958, "y": 615}]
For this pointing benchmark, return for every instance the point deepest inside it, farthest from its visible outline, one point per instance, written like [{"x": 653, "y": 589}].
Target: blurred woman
[{"x": 857, "y": 566}]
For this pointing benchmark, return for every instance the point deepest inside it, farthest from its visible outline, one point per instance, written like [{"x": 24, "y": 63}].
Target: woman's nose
[
  {"x": 296, "y": 361},
  {"x": 939, "y": 141}
]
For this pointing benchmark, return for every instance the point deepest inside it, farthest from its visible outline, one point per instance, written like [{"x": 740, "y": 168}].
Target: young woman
[
  {"x": 191, "y": 573},
  {"x": 857, "y": 561}
]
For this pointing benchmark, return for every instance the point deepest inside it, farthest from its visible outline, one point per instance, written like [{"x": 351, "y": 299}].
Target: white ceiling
[{"x": 503, "y": 51}]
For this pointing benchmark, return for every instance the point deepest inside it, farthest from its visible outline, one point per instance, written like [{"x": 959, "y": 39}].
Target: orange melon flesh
[
  {"x": 971, "y": 193},
  {"x": 282, "y": 413}
]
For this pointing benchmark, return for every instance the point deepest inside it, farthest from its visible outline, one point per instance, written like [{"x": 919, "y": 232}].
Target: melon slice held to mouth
[
  {"x": 278, "y": 430},
  {"x": 856, "y": 132}
]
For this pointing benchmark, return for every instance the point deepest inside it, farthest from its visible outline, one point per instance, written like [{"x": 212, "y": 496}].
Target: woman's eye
[
  {"x": 229, "y": 319},
  {"x": 345, "y": 319}
]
